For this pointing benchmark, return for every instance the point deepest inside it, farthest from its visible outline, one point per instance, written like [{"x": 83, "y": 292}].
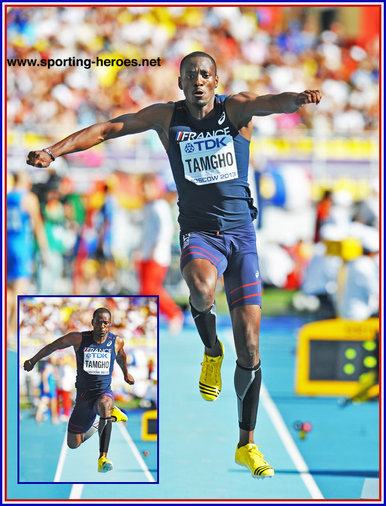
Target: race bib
[
  {"x": 96, "y": 362},
  {"x": 209, "y": 160}
]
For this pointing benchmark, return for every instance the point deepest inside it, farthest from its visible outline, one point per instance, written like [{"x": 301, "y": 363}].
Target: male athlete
[
  {"x": 206, "y": 137},
  {"x": 95, "y": 352}
]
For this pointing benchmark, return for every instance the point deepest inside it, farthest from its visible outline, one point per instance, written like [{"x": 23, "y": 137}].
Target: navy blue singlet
[
  {"x": 95, "y": 362},
  {"x": 209, "y": 159}
]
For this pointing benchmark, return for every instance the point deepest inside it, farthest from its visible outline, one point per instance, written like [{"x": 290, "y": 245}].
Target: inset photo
[{"x": 88, "y": 389}]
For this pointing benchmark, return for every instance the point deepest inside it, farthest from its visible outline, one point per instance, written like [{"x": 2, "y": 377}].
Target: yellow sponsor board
[{"x": 333, "y": 356}]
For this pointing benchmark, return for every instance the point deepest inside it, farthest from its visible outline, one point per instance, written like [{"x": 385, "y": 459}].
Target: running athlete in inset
[
  {"x": 95, "y": 350},
  {"x": 207, "y": 137}
]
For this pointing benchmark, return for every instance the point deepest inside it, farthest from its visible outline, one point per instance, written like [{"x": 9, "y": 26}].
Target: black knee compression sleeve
[
  {"x": 247, "y": 386},
  {"x": 206, "y": 324},
  {"x": 104, "y": 431}
]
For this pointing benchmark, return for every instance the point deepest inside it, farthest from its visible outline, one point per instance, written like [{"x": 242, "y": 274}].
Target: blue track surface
[
  {"x": 198, "y": 439},
  {"x": 38, "y": 466}
]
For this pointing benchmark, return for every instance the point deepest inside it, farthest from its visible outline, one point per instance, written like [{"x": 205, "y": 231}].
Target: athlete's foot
[
  {"x": 216, "y": 351},
  {"x": 118, "y": 415},
  {"x": 250, "y": 457},
  {"x": 104, "y": 465},
  {"x": 210, "y": 378}
]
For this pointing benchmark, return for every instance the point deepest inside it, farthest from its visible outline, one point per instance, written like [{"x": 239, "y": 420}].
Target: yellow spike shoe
[
  {"x": 210, "y": 378},
  {"x": 104, "y": 465},
  {"x": 250, "y": 457},
  {"x": 118, "y": 415}
]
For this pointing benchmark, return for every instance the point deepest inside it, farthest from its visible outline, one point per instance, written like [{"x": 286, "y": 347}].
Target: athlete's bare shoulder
[
  {"x": 158, "y": 116},
  {"x": 236, "y": 102},
  {"x": 235, "y": 107},
  {"x": 119, "y": 345},
  {"x": 119, "y": 341},
  {"x": 162, "y": 114}
]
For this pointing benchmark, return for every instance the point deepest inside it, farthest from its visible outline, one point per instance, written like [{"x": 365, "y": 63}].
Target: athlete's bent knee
[
  {"x": 201, "y": 293},
  {"x": 73, "y": 441},
  {"x": 105, "y": 404},
  {"x": 201, "y": 280},
  {"x": 73, "y": 444},
  {"x": 248, "y": 356}
]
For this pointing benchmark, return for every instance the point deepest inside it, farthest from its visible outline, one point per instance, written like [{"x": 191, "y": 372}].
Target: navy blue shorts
[
  {"x": 233, "y": 252},
  {"x": 85, "y": 410}
]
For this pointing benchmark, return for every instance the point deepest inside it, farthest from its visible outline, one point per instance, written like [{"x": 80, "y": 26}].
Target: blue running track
[{"x": 336, "y": 460}]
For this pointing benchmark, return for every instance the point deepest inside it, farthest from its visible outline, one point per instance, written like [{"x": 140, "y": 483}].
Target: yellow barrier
[
  {"x": 149, "y": 426},
  {"x": 333, "y": 356},
  {"x": 348, "y": 249}
]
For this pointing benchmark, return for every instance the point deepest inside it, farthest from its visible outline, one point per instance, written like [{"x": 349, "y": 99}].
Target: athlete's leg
[
  {"x": 82, "y": 424},
  {"x": 74, "y": 440},
  {"x": 104, "y": 406},
  {"x": 18, "y": 287},
  {"x": 246, "y": 325},
  {"x": 243, "y": 288},
  {"x": 201, "y": 277}
]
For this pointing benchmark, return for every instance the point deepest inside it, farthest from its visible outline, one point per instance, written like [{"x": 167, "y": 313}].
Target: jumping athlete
[
  {"x": 207, "y": 137},
  {"x": 95, "y": 352}
]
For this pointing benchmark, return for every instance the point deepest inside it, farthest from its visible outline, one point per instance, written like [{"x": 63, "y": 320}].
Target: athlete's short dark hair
[
  {"x": 101, "y": 310},
  {"x": 199, "y": 53}
]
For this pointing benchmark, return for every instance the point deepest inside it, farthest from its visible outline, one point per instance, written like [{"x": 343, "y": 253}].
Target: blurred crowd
[
  {"x": 333, "y": 262},
  {"x": 257, "y": 48},
  {"x": 51, "y": 384},
  {"x": 79, "y": 241}
]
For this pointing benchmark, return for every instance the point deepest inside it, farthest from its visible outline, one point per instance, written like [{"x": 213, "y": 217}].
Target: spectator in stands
[
  {"x": 24, "y": 222},
  {"x": 155, "y": 250},
  {"x": 357, "y": 296}
]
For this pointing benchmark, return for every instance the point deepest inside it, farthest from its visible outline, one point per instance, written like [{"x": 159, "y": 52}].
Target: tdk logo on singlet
[
  {"x": 217, "y": 142},
  {"x": 189, "y": 136},
  {"x": 97, "y": 355},
  {"x": 189, "y": 148}
]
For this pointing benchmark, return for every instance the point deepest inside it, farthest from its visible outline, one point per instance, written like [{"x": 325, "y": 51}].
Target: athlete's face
[
  {"x": 198, "y": 80},
  {"x": 101, "y": 323}
]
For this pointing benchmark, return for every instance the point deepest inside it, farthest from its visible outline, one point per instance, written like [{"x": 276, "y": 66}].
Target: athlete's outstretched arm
[
  {"x": 152, "y": 117},
  {"x": 122, "y": 362},
  {"x": 245, "y": 105},
  {"x": 71, "y": 339}
]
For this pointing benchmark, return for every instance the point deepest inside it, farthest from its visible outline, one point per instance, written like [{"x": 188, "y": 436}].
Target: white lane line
[
  {"x": 136, "y": 453},
  {"x": 76, "y": 491},
  {"x": 61, "y": 460},
  {"x": 289, "y": 444},
  {"x": 286, "y": 437}
]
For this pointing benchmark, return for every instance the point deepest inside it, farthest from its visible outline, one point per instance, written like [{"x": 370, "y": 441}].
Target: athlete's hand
[
  {"x": 28, "y": 365},
  {"x": 39, "y": 159},
  {"x": 308, "y": 97},
  {"x": 129, "y": 379}
]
